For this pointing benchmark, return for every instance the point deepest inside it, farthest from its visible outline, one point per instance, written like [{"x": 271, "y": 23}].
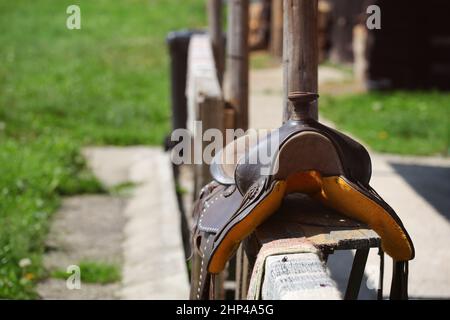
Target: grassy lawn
[
  {"x": 61, "y": 89},
  {"x": 92, "y": 272},
  {"x": 399, "y": 122}
]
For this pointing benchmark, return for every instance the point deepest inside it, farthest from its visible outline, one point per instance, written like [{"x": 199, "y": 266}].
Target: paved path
[
  {"x": 85, "y": 228},
  {"x": 416, "y": 187},
  {"x": 154, "y": 264},
  {"x": 139, "y": 231}
]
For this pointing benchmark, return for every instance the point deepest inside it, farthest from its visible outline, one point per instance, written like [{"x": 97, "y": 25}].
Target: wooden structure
[
  {"x": 300, "y": 50},
  {"x": 410, "y": 51},
  {"x": 204, "y": 91},
  {"x": 276, "y": 29},
  {"x": 216, "y": 35},
  {"x": 325, "y": 230},
  {"x": 205, "y": 101},
  {"x": 236, "y": 89},
  {"x": 259, "y": 24},
  {"x": 412, "y": 48},
  {"x": 344, "y": 16}
]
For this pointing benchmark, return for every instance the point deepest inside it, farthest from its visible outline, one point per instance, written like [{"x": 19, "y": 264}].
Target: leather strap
[
  {"x": 205, "y": 237},
  {"x": 200, "y": 287},
  {"x": 399, "y": 286},
  {"x": 381, "y": 279}
]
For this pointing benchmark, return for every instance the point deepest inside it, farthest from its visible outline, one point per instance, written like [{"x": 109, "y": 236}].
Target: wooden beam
[
  {"x": 285, "y": 61},
  {"x": 216, "y": 35},
  {"x": 309, "y": 278},
  {"x": 289, "y": 233},
  {"x": 276, "y": 28},
  {"x": 300, "y": 46},
  {"x": 240, "y": 262},
  {"x": 205, "y": 102},
  {"x": 236, "y": 93}
]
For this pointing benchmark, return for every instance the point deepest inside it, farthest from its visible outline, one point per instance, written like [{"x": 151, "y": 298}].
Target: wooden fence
[{"x": 217, "y": 92}]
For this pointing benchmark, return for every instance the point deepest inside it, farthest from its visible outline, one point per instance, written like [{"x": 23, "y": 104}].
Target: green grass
[
  {"x": 122, "y": 189},
  {"x": 93, "y": 272},
  {"x": 62, "y": 89},
  {"x": 399, "y": 122}
]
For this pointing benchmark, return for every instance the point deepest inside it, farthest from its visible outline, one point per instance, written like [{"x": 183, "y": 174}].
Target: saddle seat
[{"x": 252, "y": 176}]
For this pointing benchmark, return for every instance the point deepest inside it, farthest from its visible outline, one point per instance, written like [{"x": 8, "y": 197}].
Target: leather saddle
[{"x": 306, "y": 157}]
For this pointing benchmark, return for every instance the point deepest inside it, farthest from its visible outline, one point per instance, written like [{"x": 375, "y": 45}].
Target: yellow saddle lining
[
  {"x": 332, "y": 191},
  {"x": 340, "y": 195},
  {"x": 238, "y": 232}
]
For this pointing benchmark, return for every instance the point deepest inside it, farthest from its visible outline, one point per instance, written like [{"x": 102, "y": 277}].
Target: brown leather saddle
[{"x": 307, "y": 157}]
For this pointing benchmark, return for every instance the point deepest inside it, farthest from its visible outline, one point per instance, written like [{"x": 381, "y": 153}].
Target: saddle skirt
[{"x": 302, "y": 156}]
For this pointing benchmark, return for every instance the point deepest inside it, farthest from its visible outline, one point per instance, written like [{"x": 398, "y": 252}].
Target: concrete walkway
[
  {"x": 416, "y": 187},
  {"x": 154, "y": 264},
  {"x": 139, "y": 231},
  {"x": 85, "y": 228}
]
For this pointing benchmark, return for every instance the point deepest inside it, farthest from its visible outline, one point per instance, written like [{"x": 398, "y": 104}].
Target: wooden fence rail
[{"x": 205, "y": 100}]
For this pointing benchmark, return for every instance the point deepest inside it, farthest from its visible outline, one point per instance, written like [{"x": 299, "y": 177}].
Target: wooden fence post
[
  {"x": 236, "y": 92},
  {"x": 205, "y": 104},
  {"x": 237, "y": 61},
  {"x": 300, "y": 57},
  {"x": 276, "y": 28},
  {"x": 205, "y": 101},
  {"x": 216, "y": 35}
]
